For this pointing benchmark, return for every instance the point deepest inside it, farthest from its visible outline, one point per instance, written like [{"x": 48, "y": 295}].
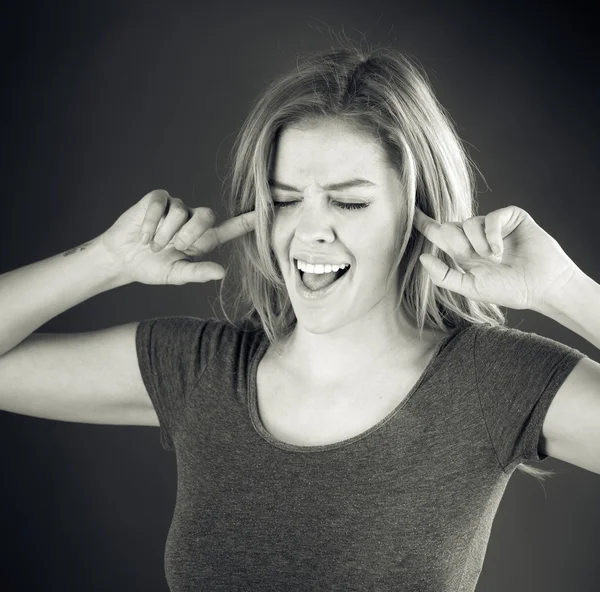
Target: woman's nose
[{"x": 315, "y": 223}]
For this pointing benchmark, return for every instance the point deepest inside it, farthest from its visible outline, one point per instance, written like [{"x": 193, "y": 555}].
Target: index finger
[
  {"x": 230, "y": 229},
  {"x": 427, "y": 226}
]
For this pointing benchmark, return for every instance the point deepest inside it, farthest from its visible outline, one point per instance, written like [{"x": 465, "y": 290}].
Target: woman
[{"x": 357, "y": 428}]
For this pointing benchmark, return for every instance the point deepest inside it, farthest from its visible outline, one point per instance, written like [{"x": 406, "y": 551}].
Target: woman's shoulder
[
  {"x": 185, "y": 328},
  {"x": 498, "y": 344}
]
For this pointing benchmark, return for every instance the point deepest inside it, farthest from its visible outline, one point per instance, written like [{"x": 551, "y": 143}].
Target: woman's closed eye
[{"x": 340, "y": 204}]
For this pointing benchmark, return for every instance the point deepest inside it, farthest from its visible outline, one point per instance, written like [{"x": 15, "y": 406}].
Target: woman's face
[{"x": 312, "y": 220}]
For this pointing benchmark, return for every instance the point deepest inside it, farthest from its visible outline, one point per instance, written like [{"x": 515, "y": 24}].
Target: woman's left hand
[{"x": 528, "y": 274}]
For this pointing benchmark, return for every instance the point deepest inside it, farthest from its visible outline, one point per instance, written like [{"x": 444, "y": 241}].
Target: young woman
[{"x": 356, "y": 426}]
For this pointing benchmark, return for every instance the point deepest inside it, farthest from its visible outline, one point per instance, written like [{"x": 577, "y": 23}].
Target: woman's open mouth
[{"x": 312, "y": 285}]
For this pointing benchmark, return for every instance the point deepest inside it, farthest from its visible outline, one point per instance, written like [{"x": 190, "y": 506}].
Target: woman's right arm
[
  {"x": 94, "y": 377},
  {"x": 88, "y": 377},
  {"x": 32, "y": 295}
]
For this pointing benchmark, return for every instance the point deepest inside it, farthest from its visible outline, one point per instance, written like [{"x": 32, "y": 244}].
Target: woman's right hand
[{"x": 177, "y": 238}]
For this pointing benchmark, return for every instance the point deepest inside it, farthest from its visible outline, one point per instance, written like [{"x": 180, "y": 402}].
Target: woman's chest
[{"x": 303, "y": 415}]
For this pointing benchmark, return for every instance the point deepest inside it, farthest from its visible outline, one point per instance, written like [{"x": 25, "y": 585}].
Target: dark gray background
[{"x": 104, "y": 102}]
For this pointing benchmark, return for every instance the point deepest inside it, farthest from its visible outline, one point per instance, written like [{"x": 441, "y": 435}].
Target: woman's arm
[{"x": 32, "y": 295}]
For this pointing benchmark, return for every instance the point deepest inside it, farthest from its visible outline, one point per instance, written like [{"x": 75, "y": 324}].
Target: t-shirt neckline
[{"x": 266, "y": 435}]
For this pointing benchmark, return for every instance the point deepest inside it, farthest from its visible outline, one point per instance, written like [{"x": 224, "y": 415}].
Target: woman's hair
[{"x": 386, "y": 95}]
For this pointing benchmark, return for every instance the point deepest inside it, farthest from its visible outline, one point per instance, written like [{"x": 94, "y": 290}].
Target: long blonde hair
[{"x": 386, "y": 94}]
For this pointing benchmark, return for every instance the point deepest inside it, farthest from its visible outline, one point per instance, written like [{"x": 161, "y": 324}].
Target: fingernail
[
  {"x": 145, "y": 238},
  {"x": 155, "y": 247},
  {"x": 496, "y": 250}
]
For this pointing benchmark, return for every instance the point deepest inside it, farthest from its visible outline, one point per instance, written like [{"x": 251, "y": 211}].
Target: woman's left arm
[
  {"x": 576, "y": 305},
  {"x": 572, "y": 425},
  {"x": 531, "y": 272}
]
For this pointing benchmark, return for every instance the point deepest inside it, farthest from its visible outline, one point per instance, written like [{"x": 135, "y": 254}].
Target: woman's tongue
[{"x": 316, "y": 281}]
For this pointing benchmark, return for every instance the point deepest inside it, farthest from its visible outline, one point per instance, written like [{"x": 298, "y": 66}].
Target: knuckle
[
  {"x": 183, "y": 242},
  {"x": 206, "y": 215},
  {"x": 157, "y": 196},
  {"x": 183, "y": 236},
  {"x": 447, "y": 228},
  {"x": 155, "y": 192},
  {"x": 177, "y": 206},
  {"x": 155, "y": 210}
]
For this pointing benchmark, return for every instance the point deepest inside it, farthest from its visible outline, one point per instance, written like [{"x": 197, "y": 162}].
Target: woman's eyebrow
[{"x": 273, "y": 184}]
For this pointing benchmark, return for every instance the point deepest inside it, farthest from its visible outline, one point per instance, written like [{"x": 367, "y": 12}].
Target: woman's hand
[
  {"x": 176, "y": 238},
  {"x": 531, "y": 266}
]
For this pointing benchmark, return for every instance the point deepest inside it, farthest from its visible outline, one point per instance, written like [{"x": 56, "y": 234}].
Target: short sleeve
[
  {"x": 172, "y": 355},
  {"x": 518, "y": 374}
]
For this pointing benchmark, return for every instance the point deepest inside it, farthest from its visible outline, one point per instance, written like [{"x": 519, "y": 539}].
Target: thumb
[
  {"x": 445, "y": 277},
  {"x": 436, "y": 269},
  {"x": 184, "y": 272}
]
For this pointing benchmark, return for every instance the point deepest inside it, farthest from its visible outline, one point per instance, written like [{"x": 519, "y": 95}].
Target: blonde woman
[{"x": 354, "y": 422}]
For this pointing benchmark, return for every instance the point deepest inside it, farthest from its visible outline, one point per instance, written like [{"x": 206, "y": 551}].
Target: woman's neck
[{"x": 347, "y": 353}]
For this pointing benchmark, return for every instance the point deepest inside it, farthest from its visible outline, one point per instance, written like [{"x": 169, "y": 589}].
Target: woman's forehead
[
  {"x": 346, "y": 129},
  {"x": 325, "y": 145}
]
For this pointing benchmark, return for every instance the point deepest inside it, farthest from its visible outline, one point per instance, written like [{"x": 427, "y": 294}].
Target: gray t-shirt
[{"x": 407, "y": 505}]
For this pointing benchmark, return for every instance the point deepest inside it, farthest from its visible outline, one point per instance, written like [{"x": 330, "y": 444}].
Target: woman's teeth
[{"x": 308, "y": 268}]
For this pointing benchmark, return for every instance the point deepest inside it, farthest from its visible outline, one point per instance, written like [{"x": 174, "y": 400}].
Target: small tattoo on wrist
[{"x": 79, "y": 248}]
